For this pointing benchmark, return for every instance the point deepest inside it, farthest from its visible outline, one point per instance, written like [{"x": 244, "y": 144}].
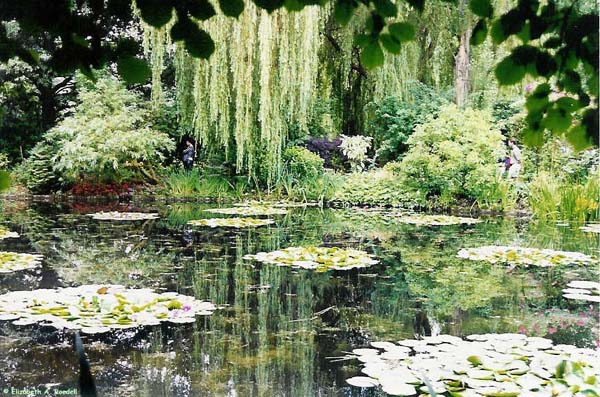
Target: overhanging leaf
[
  {"x": 371, "y": 56},
  {"x": 390, "y": 43},
  {"x": 199, "y": 44},
  {"x": 133, "y": 70},
  {"x": 231, "y": 8},
  {"x": 479, "y": 33},
  {"x": 343, "y": 10},
  {"x": 481, "y": 8},
  {"x": 509, "y": 73},
  {"x": 402, "y": 31}
]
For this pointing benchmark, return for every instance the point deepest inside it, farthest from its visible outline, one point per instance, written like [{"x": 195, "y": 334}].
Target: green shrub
[
  {"x": 108, "y": 137},
  {"x": 394, "y": 119},
  {"x": 187, "y": 184},
  {"x": 37, "y": 172},
  {"x": 301, "y": 164},
  {"x": 378, "y": 187},
  {"x": 452, "y": 155},
  {"x": 304, "y": 176}
]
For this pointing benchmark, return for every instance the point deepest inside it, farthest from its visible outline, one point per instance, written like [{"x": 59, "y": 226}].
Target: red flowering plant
[{"x": 564, "y": 327}]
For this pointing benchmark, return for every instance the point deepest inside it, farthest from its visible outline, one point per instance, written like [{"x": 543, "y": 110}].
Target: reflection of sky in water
[{"x": 277, "y": 325}]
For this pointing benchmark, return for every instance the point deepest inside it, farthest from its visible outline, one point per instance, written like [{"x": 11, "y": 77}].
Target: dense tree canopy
[{"x": 558, "y": 43}]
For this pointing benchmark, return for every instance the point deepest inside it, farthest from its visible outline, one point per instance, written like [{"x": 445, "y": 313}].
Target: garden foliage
[
  {"x": 107, "y": 137},
  {"x": 452, "y": 156},
  {"x": 394, "y": 119}
]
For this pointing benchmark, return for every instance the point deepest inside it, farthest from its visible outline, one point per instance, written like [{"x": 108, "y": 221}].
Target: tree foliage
[
  {"x": 108, "y": 137},
  {"x": 452, "y": 155},
  {"x": 559, "y": 43}
]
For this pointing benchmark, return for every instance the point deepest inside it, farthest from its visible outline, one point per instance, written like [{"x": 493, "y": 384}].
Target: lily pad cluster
[
  {"x": 14, "y": 261},
  {"x": 100, "y": 308},
  {"x": 5, "y": 233},
  {"x": 436, "y": 220},
  {"x": 231, "y": 222},
  {"x": 277, "y": 204},
  {"x": 123, "y": 216},
  {"x": 583, "y": 291},
  {"x": 591, "y": 228},
  {"x": 251, "y": 210},
  {"x": 483, "y": 365},
  {"x": 524, "y": 256},
  {"x": 320, "y": 259}
]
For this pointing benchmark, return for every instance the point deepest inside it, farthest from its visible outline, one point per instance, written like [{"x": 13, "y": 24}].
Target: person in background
[
  {"x": 515, "y": 160},
  {"x": 189, "y": 154}
]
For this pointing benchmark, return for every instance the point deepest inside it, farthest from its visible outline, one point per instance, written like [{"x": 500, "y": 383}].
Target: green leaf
[
  {"x": 545, "y": 65},
  {"x": 479, "y": 33},
  {"x": 362, "y": 40},
  {"x": 532, "y": 137},
  {"x": 293, "y": 5},
  {"x": 155, "y": 12},
  {"x": 568, "y": 104},
  {"x": 557, "y": 120},
  {"x": 4, "y": 180},
  {"x": 481, "y": 8},
  {"x": 385, "y": 8},
  {"x": 402, "y": 31},
  {"x": 199, "y": 44},
  {"x": 269, "y": 5},
  {"x": 133, "y": 70},
  {"x": 201, "y": 9},
  {"x": 372, "y": 55},
  {"x": 578, "y": 138},
  {"x": 343, "y": 10},
  {"x": 592, "y": 84},
  {"x": 231, "y": 8},
  {"x": 560, "y": 369},
  {"x": 570, "y": 81},
  {"x": 390, "y": 43},
  {"x": 474, "y": 360},
  {"x": 509, "y": 73}
]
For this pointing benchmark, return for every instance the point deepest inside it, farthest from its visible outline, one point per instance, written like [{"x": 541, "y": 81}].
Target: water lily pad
[
  {"x": 249, "y": 211},
  {"x": 236, "y": 223},
  {"x": 588, "y": 291},
  {"x": 5, "y": 233},
  {"x": 591, "y": 228},
  {"x": 320, "y": 259},
  {"x": 436, "y": 220},
  {"x": 277, "y": 204},
  {"x": 123, "y": 216},
  {"x": 482, "y": 365},
  {"x": 362, "y": 381},
  {"x": 99, "y": 308},
  {"x": 525, "y": 256},
  {"x": 13, "y": 261}
]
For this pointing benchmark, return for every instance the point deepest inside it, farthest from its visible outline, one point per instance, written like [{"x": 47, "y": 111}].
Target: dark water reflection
[{"x": 277, "y": 327}]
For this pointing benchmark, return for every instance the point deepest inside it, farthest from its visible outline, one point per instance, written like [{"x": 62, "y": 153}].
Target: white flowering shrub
[{"x": 355, "y": 148}]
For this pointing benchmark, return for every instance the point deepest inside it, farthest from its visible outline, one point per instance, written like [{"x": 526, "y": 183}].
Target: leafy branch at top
[{"x": 558, "y": 43}]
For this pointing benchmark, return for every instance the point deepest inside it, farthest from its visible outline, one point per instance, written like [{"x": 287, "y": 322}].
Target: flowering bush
[{"x": 355, "y": 148}]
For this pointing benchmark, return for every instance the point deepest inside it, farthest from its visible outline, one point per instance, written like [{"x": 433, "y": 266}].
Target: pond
[{"x": 277, "y": 328}]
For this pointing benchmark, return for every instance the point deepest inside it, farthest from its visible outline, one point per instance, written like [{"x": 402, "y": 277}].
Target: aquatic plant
[
  {"x": 582, "y": 290},
  {"x": 249, "y": 210},
  {"x": 277, "y": 204},
  {"x": 436, "y": 220},
  {"x": 591, "y": 228},
  {"x": 506, "y": 365},
  {"x": 13, "y": 261},
  {"x": 5, "y": 233},
  {"x": 100, "y": 308},
  {"x": 320, "y": 259},
  {"x": 231, "y": 222},
  {"x": 123, "y": 216},
  {"x": 524, "y": 256}
]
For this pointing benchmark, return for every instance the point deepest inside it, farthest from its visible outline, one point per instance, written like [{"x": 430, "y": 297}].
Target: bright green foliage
[
  {"x": 36, "y": 171},
  {"x": 302, "y": 164},
  {"x": 449, "y": 157},
  {"x": 377, "y": 187},
  {"x": 551, "y": 199},
  {"x": 395, "y": 119},
  {"x": 108, "y": 136},
  {"x": 180, "y": 183}
]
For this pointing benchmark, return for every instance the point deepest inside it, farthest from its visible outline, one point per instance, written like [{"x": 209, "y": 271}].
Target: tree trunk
[
  {"x": 462, "y": 70},
  {"x": 462, "y": 63}
]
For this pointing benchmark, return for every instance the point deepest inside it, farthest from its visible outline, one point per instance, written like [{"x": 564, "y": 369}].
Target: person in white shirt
[{"x": 515, "y": 159}]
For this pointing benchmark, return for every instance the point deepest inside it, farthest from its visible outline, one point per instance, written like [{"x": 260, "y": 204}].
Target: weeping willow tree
[{"x": 261, "y": 79}]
